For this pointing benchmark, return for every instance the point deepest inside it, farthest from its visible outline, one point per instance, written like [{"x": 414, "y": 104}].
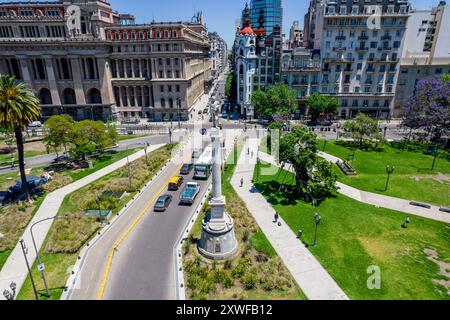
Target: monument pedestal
[{"x": 218, "y": 240}]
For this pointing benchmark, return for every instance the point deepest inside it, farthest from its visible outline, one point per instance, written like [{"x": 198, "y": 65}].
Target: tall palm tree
[{"x": 18, "y": 107}]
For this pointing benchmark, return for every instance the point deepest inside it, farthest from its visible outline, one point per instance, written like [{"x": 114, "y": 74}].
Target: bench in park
[
  {"x": 420, "y": 204},
  {"x": 346, "y": 168}
]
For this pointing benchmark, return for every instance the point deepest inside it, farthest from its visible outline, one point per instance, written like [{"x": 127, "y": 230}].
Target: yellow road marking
[{"x": 124, "y": 235}]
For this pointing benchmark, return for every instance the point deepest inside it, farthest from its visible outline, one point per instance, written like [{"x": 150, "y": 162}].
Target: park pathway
[
  {"x": 374, "y": 199},
  {"x": 15, "y": 269},
  {"x": 311, "y": 277}
]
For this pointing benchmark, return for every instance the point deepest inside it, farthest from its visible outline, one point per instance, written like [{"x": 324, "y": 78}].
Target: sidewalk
[
  {"x": 15, "y": 269},
  {"x": 311, "y": 277},
  {"x": 375, "y": 199}
]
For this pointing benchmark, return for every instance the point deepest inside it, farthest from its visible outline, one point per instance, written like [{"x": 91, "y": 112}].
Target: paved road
[
  {"x": 47, "y": 159},
  {"x": 143, "y": 267}
]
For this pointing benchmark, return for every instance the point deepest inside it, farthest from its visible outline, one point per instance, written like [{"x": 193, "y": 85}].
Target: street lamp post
[
  {"x": 25, "y": 251},
  {"x": 434, "y": 158},
  {"x": 317, "y": 219},
  {"x": 179, "y": 107},
  {"x": 389, "y": 171},
  {"x": 146, "y": 145},
  {"x": 97, "y": 201}
]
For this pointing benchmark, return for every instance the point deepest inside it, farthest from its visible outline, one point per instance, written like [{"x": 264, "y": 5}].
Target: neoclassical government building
[{"x": 85, "y": 59}]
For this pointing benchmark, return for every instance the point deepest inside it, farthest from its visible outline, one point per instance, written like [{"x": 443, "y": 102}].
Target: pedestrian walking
[
  {"x": 242, "y": 182},
  {"x": 276, "y": 216},
  {"x": 248, "y": 151},
  {"x": 252, "y": 154}
]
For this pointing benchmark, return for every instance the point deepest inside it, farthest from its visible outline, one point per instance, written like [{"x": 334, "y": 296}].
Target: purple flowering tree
[{"x": 429, "y": 107}]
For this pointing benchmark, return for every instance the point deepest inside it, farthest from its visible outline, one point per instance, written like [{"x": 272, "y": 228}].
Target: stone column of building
[
  {"x": 104, "y": 73},
  {"x": 23, "y": 62},
  {"x": 56, "y": 100},
  {"x": 77, "y": 82}
]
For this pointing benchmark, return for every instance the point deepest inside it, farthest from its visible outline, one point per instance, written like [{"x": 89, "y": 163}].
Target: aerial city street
[{"x": 247, "y": 150}]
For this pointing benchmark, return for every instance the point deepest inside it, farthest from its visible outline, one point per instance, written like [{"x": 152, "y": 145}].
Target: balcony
[
  {"x": 370, "y": 70},
  {"x": 386, "y": 37},
  {"x": 326, "y": 70},
  {"x": 339, "y": 48},
  {"x": 384, "y": 48},
  {"x": 362, "y": 49},
  {"x": 348, "y": 70},
  {"x": 340, "y": 37},
  {"x": 363, "y": 38}
]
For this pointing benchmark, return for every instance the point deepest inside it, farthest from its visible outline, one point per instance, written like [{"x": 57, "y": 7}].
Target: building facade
[
  {"x": 245, "y": 65},
  {"x": 295, "y": 37},
  {"x": 426, "y": 51},
  {"x": 219, "y": 53},
  {"x": 88, "y": 61},
  {"x": 360, "y": 46},
  {"x": 272, "y": 11}
]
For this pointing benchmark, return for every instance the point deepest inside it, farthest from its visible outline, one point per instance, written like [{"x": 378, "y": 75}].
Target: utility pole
[{"x": 25, "y": 251}]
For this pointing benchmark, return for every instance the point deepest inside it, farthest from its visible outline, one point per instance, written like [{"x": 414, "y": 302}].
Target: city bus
[{"x": 203, "y": 166}]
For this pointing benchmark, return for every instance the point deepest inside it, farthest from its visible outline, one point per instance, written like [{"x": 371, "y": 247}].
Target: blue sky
[{"x": 220, "y": 15}]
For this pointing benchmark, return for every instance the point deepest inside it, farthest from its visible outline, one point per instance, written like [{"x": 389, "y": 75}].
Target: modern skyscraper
[{"x": 272, "y": 11}]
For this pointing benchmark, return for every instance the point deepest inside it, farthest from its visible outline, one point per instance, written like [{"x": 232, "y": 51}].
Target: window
[
  {"x": 177, "y": 88},
  {"x": 94, "y": 96},
  {"x": 45, "y": 96},
  {"x": 161, "y": 88},
  {"x": 163, "y": 103},
  {"x": 69, "y": 96}
]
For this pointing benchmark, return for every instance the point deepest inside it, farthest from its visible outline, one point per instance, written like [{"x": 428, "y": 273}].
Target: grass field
[
  {"x": 411, "y": 180},
  {"x": 353, "y": 236},
  {"x": 67, "y": 236},
  {"x": 3, "y": 257},
  {"x": 256, "y": 272}
]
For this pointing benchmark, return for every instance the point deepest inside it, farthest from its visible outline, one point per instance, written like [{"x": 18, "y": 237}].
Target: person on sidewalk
[
  {"x": 242, "y": 182},
  {"x": 276, "y": 216}
]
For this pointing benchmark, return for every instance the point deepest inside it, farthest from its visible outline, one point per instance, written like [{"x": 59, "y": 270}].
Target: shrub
[
  {"x": 241, "y": 267},
  {"x": 249, "y": 280}
]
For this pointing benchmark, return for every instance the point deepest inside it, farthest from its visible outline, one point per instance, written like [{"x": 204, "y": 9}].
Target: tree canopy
[
  {"x": 320, "y": 105},
  {"x": 278, "y": 100},
  {"x": 363, "y": 127},
  {"x": 429, "y": 107},
  {"x": 299, "y": 147}
]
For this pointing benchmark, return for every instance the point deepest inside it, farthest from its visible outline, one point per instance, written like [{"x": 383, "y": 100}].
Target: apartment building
[
  {"x": 219, "y": 53},
  {"x": 295, "y": 37},
  {"x": 360, "y": 43},
  {"x": 426, "y": 51},
  {"x": 91, "y": 62}
]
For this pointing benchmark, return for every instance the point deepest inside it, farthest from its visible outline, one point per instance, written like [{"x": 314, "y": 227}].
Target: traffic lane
[
  {"x": 143, "y": 267},
  {"x": 91, "y": 273}
]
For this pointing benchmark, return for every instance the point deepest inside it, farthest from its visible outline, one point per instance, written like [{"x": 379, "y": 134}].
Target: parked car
[
  {"x": 189, "y": 193},
  {"x": 163, "y": 202},
  {"x": 175, "y": 183},
  {"x": 186, "y": 168},
  {"x": 35, "y": 124}
]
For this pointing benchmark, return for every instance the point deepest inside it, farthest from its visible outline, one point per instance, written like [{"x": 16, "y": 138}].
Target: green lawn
[
  {"x": 3, "y": 257},
  {"x": 411, "y": 180},
  {"x": 353, "y": 236},
  {"x": 129, "y": 137},
  {"x": 99, "y": 163}
]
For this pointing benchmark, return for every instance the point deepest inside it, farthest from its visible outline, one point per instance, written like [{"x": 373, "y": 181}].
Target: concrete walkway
[
  {"x": 311, "y": 277},
  {"x": 15, "y": 270},
  {"x": 375, "y": 199}
]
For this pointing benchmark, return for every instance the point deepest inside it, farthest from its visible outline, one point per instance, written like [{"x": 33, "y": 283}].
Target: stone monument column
[{"x": 218, "y": 240}]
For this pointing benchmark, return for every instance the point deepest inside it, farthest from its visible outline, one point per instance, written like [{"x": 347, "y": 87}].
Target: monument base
[{"x": 218, "y": 240}]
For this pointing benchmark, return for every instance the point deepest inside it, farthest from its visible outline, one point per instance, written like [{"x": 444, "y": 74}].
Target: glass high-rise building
[{"x": 273, "y": 14}]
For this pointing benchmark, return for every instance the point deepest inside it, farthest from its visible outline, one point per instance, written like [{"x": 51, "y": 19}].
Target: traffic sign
[{"x": 41, "y": 267}]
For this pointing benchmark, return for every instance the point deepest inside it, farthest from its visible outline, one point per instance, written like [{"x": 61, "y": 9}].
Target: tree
[
  {"x": 320, "y": 105},
  {"x": 88, "y": 136},
  {"x": 299, "y": 147},
  {"x": 429, "y": 107},
  {"x": 19, "y": 106},
  {"x": 363, "y": 127},
  {"x": 230, "y": 88},
  {"x": 59, "y": 132},
  {"x": 279, "y": 100}
]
